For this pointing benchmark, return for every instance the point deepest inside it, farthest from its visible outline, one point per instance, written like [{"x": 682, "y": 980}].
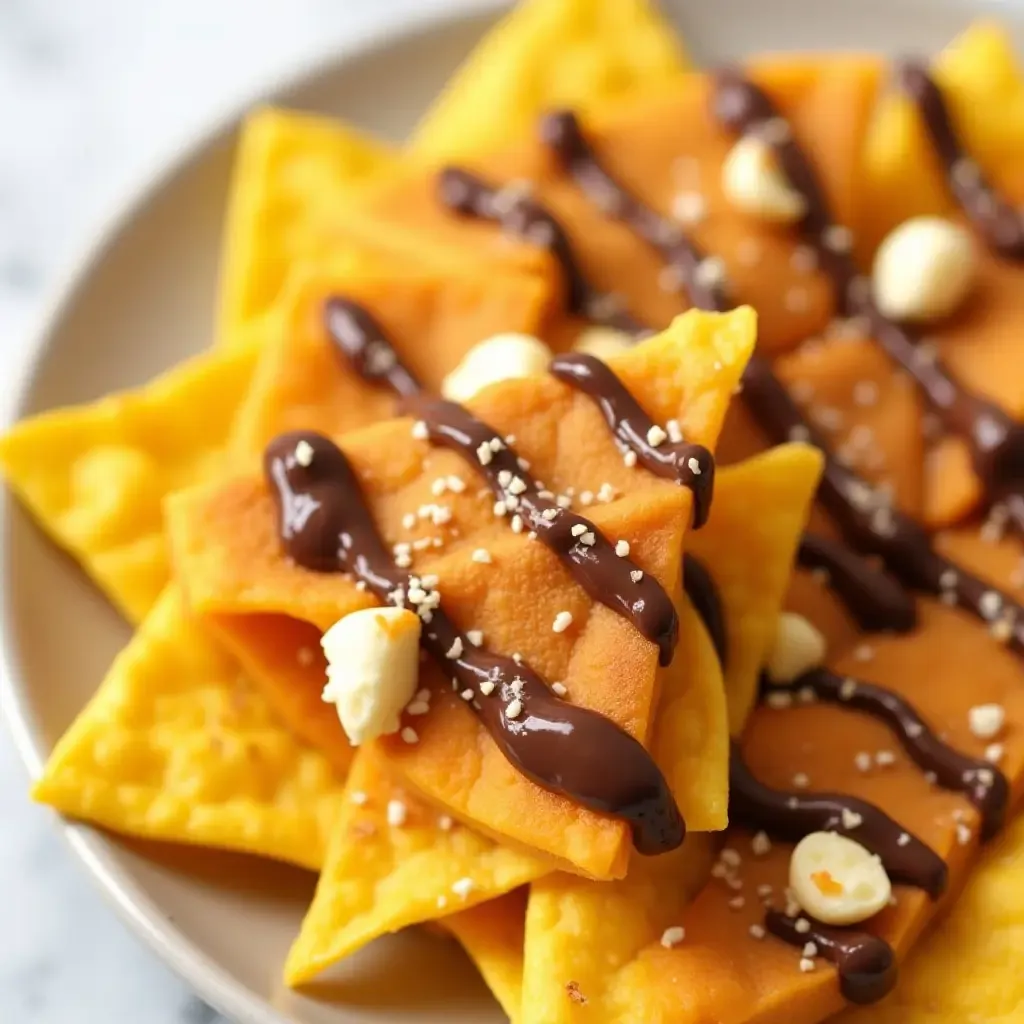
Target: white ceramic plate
[{"x": 142, "y": 299}]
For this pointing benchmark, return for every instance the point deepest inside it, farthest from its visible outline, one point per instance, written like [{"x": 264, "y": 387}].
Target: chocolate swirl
[
  {"x": 690, "y": 465},
  {"x": 561, "y": 132},
  {"x": 792, "y": 815},
  {"x": 613, "y": 580},
  {"x": 703, "y": 594},
  {"x": 363, "y": 344},
  {"x": 996, "y": 442},
  {"x": 980, "y": 781},
  {"x": 866, "y": 964},
  {"x": 325, "y": 526},
  {"x": 998, "y": 222},
  {"x": 523, "y": 217},
  {"x": 876, "y": 601}
]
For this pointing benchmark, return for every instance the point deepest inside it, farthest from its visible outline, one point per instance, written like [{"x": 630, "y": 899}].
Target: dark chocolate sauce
[
  {"x": 877, "y": 602},
  {"x": 999, "y": 223},
  {"x": 325, "y": 526},
  {"x": 562, "y": 134},
  {"x": 866, "y": 964},
  {"x": 870, "y": 522},
  {"x": 703, "y": 595},
  {"x": 792, "y": 815},
  {"x": 523, "y": 217},
  {"x": 691, "y": 465},
  {"x": 363, "y": 344},
  {"x": 615, "y": 581},
  {"x": 980, "y": 781},
  {"x": 996, "y": 442}
]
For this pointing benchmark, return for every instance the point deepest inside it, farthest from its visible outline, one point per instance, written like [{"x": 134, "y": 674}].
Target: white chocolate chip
[
  {"x": 372, "y": 669},
  {"x": 753, "y": 182},
  {"x": 602, "y": 342},
  {"x": 986, "y": 720},
  {"x": 924, "y": 269},
  {"x": 798, "y": 648},
  {"x": 836, "y": 880},
  {"x": 501, "y": 357}
]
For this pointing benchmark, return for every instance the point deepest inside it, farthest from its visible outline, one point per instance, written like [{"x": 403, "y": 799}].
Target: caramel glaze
[
  {"x": 791, "y": 815},
  {"x": 587, "y": 552},
  {"x": 997, "y": 221},
  {"x": 980, "y": 781},
  {"x": 994, "y": 439},
  {"x": 866, "y": 964},
  {"x": 690, "y": 465},
  {"x": 325, "y": 526},
  {"x": 523, "y": 217},
  {"x": 873, "y": 598},
  {"x": 703, "y": 595}
]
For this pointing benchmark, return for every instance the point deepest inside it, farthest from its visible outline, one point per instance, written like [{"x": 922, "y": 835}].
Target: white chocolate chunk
[
  {"x": 986, "y": 720},
  {"x": 501, "y": 357},
  {"x": 754, "y": 183},
  {"x": 836, "y": 880},
  {"x": 798, "y": 648},
  {"x": 602, "y": 342},
  {"x": 924, "y": 269},
  {"x": 372, "y": 669}
]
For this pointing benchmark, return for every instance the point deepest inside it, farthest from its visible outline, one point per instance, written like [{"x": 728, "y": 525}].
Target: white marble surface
[{"x": 92, "y": 94}]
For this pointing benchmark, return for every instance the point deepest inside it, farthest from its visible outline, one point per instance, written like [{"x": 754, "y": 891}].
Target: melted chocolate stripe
[
  {"x": 876, "y": 601},
  {"x": 523, "y": 217},
  {"x": 792, "y": 815},
  {"x": 866, "y": 964},
  {"x": 326, "y": 526},
  {"x": 362, "y": 343},
  {"x": 980, "y": 781},
  {"x": 590, "y": 556},
  {"x": 691, "y": 465},
  {"x": 996, "y": 442},
  {"x": 562, "y": 134},
  {"x": 998, "y": 222},
  {"x": 870, "y": 523},
  {"x": 703, "y": 594}
]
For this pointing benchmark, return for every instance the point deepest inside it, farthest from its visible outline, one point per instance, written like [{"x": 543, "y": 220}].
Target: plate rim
[{"x": 93, "y": 848}]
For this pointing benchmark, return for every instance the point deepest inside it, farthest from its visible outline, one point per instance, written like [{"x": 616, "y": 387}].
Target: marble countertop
[{"x": 91, "y": 95}]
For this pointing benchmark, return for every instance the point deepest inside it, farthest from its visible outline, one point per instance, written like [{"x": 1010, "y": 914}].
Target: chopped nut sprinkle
[
  {"x": 559, "y": 689},
  {"x": 563, "y": 620},
  {"x": 622, "y": 548},
  {"x": 514, "y": 708},
  {"x": 656, "y": 436},
  {"x": 397, "y": 813},
  {"x": 671, "y": 937},
  {"x": 410, "y": 735},
  {"x": 420, "y": 431},
  {"x": 636, "y": 575},
  {"x": 481, "y": 555}
]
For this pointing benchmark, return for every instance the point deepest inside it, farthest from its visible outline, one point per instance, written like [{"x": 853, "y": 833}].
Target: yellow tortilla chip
[
  {"x": 582, "y": 54},
  {"x": 291, "y": 169},
  {"x": 983, "y": 84},
  {"x": 750, "y": 557},
  {"x": 177, "y": 745},
  {"x": 392, "y": 862},
  {"x": 95, "y": 475},
  {"x": 492, "y": 934},
  {"x": 966, "y": 968}
]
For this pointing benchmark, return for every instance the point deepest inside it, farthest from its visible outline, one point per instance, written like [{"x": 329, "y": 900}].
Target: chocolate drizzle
[
  {"x": 869, "y": 521},
  {"x": 876, "y": 601},
  {"x": 793, "y": 815},
  {"x": 703, "y": 594},
  {"x": 523, "y": 217},
  {"x": 998, "y": 222},
  {"x": 561, "y": 132},
  {"x": 362, "y": 343},
  {"x": 996, "y": 442},
  {"x": 325, "y": 526},
  {"x": 866, "y": 964},
  {"x": 691, "y": 465},
  {"x": 980, "y": 781},
  {"x": 614, "y": 581}
]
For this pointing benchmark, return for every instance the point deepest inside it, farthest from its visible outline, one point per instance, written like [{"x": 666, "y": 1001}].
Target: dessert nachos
[{"x": 601, "y": 537}]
